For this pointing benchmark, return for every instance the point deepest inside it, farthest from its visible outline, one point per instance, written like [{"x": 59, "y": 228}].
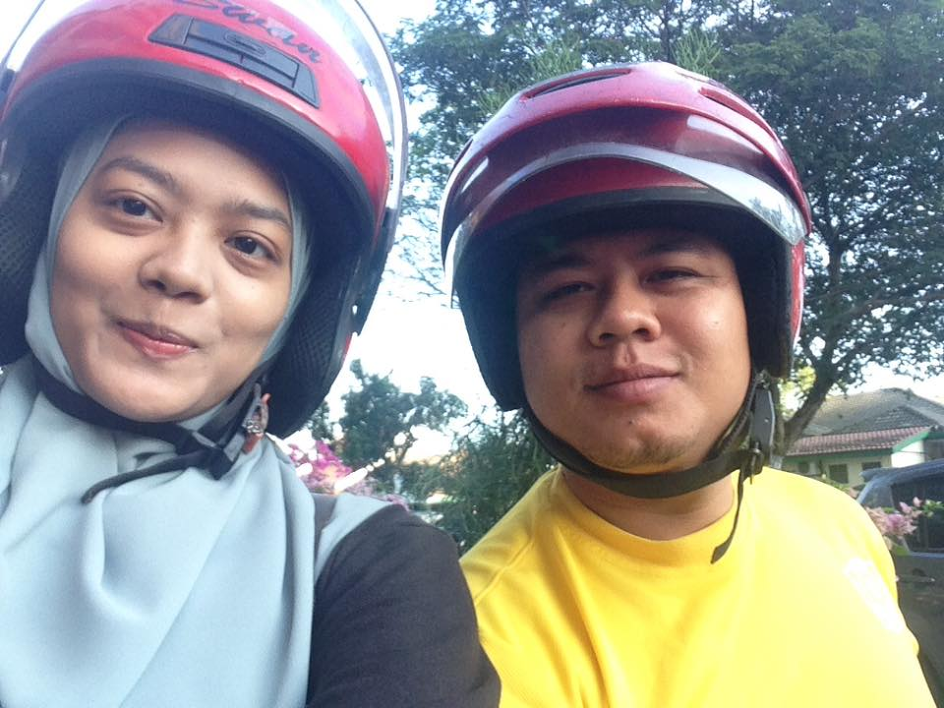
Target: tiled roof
[
  {"x": 848, "y": 442},
  {"x": 888, "y": 409}
]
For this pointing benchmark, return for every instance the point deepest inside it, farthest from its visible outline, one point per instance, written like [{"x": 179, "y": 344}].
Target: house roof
[
  {"x": 878, "y": 420},
  {"x": 887, "y": 409},
  {"x": 846, "y": 442}
]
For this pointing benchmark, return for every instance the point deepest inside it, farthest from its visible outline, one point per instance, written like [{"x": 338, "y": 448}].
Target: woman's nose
[
  {"x": 624, "y": 311},
  {"x": 181, "y": 264}
]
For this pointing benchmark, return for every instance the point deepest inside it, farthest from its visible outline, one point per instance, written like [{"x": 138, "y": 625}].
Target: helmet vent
[
  {"x": 734, "y": 103},
  {"x": 571, "y": 81},
  {"x": 240, "y": 50}
]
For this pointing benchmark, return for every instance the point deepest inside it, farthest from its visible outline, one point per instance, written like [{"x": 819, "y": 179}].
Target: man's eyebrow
[
  {"x": 558, "y": 260},
  {"x": 147, "y": 170},
  {"x": 677, "y": 244},
  {"x": 572, "y": 256},
  {"x": 245, "y": 207}
]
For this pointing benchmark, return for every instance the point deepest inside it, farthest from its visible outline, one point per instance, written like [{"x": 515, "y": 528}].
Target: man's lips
[
  {"x": 633, "y": 384},
  {"x": 156, "y": 341},
  {"x": 629, "y": 374}
]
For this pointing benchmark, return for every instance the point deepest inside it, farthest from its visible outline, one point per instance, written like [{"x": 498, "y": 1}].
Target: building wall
[
  {"x": 912, "y": 454},
  {"x": 927, "y": 447},
  {"x": 855, "y": 463}
]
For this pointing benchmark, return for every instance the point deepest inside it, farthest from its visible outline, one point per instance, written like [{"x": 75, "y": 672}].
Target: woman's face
[{"x": 173, "y": 271}]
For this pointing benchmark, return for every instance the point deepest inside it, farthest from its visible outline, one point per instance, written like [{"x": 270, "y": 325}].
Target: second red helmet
[{"x": 625, "y": 146}]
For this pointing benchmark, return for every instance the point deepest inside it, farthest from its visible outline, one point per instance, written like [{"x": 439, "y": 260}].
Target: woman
[{"x": 194, "y": 214}]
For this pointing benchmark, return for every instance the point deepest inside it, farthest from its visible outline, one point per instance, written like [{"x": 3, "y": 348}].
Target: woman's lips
[{"x": 156, "y": 342}]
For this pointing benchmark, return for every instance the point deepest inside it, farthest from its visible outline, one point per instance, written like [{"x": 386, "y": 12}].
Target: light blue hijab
[{"x": 171, "y": 590}]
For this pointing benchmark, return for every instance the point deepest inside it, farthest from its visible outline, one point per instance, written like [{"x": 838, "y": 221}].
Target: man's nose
[{"x": 624, "y": 311}]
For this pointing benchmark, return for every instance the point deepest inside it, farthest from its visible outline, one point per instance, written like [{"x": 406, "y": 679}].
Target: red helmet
[
  {"x": 628, "y": 146},
  {"x": 314, "y": 90}
]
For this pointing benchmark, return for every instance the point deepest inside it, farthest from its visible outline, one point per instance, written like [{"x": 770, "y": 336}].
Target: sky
[{"x": 424, "y": 337}]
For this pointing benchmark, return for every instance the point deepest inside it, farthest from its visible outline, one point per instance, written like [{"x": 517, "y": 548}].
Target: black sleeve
[{"x": 394, "y": 624}]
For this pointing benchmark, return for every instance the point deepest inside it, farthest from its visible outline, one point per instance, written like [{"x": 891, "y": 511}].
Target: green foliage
[
  {"x": 856, "y": 91},
  {"x": 320, "y": 423},
  {"x": 698, "y": 51},
  {"x": 483, "y": 478},
  {"x": 381, "y": 422},
  {"x": 555, "y": 59}
]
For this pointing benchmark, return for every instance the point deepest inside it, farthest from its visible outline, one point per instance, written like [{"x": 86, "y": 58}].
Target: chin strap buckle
[
  {"x": 257, "y": 419},
  {"x": 763, "y": 424},
  {"x": 760, "y": 443}
]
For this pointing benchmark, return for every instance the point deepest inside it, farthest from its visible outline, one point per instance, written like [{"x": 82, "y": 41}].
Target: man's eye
[
  {"x": 565, "y": 291},
  {"x": 670, "y": 274}
]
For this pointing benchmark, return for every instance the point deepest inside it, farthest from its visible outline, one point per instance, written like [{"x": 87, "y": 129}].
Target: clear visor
[{"x": 344, "y": 23}]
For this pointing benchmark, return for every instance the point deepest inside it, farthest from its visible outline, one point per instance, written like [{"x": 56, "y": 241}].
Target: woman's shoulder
[
  {"x": 386, "y": 550},
  {"x": 378, "y": 529},
  {"x": 391, "y": 596}
]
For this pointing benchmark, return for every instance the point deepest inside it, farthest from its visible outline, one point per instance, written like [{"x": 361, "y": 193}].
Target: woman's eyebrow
[
  {"x": 245, "y": 207},
  {"x": 147, "y": 170}
]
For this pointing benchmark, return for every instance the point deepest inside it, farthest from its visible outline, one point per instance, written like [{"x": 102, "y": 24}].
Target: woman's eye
[
  {"x": 249, "y": 246},
  {"x": 133, "y": 207}
]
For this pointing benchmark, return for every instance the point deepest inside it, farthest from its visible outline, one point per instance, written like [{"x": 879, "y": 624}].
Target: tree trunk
[{"x": 793, "y": 428}]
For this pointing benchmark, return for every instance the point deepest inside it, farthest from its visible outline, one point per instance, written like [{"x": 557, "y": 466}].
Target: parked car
[{"x": 921, "y": 566}]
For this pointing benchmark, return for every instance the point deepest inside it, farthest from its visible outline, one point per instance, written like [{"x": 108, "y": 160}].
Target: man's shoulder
[
  {"x": 802, "y": 506},
  {"x": 787, "y": 487},
  {"x": 512, "y": 542}
]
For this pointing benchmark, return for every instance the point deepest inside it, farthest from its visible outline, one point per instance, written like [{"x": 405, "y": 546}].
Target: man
[{"x": 627, "y": 248}]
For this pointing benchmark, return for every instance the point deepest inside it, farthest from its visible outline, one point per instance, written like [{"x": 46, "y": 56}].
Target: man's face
[{"x": 634, "y": 347}]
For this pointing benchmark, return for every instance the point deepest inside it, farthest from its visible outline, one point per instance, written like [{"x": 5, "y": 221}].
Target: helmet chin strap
[
  {"x": 234, "y": 428},
  {"x": 754, "y": 422}
]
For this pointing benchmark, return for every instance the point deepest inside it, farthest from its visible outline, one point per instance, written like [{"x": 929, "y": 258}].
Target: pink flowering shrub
[
  {"x": 323, "y": 472},
  {"x": 896, "y": 525}
]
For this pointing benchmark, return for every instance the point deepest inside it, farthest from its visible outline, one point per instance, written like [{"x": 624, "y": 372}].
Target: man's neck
[{"x": 655, "y": 519}]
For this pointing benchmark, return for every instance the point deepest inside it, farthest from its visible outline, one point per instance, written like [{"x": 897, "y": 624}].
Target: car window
[{"x": 929, "y": 536}]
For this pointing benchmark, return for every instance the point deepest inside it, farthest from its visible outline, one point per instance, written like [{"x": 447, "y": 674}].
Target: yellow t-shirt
[{"x": 801, "y": 611}]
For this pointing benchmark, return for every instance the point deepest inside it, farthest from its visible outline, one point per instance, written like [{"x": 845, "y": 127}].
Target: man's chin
[{"x": 643, "y": 460}]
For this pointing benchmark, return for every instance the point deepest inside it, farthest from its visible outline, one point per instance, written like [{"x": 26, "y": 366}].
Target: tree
[
  {"x": 855, "y": 88},
  {"x": 492, "y": 467},
  {"x": 320, "y": 423},
  {"x": 381, "y": 422}
]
